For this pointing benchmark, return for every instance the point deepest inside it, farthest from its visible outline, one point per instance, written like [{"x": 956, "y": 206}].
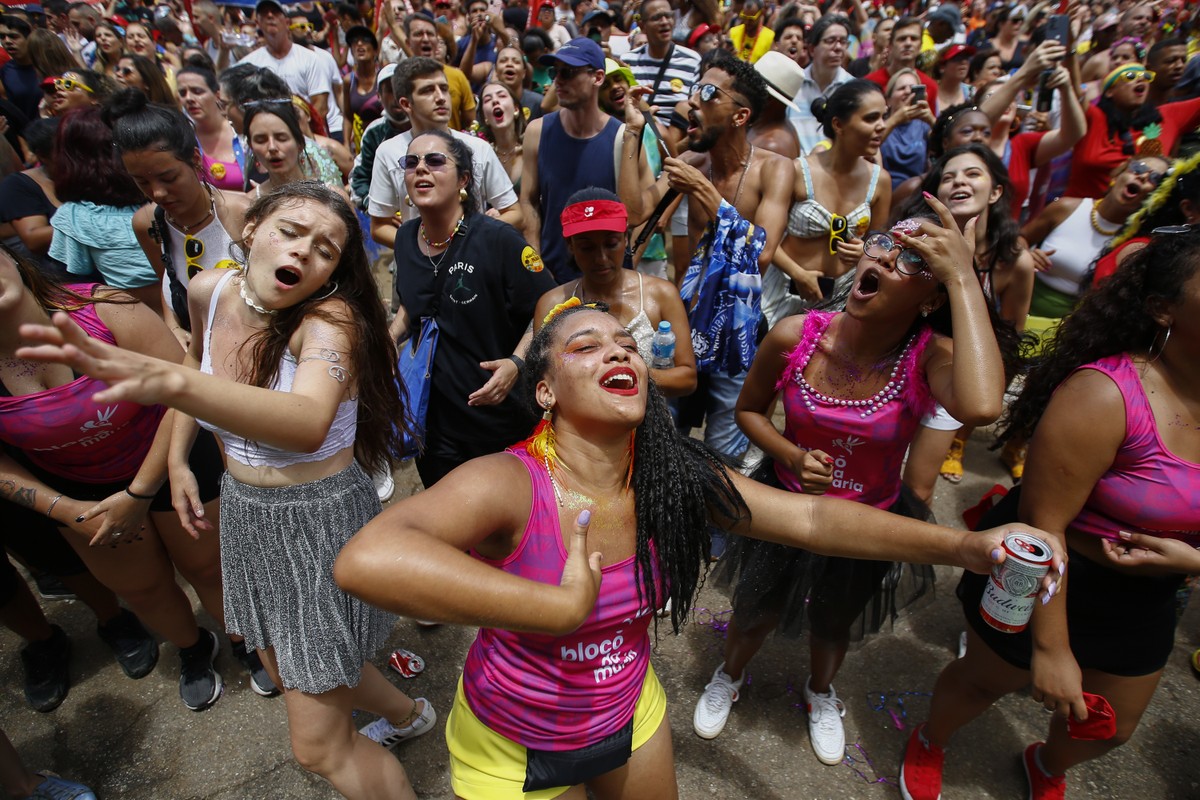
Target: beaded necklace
[{"x": 892, "y": 389}]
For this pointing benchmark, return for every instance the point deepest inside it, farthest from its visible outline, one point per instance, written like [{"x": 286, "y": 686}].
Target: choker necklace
[
  {"x": 445, "y": 242},
  {"x": 212, "y": 212},
  {"x": 266, "y": 312},
  {"x": 1096, "y": 223}
]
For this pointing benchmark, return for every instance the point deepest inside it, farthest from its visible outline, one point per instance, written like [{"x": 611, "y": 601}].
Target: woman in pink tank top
[
  {"x": 854, "y": 387},
  {"x": 99, "y": 471},
  {"x": 607, "y": 474},
  {"x": 1113, "y": 474}
]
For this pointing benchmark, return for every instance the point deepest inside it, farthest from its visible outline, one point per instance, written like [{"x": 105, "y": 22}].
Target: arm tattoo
[
  {"x": 25, "y": 496},
  {"x": 336, "y": 370}
]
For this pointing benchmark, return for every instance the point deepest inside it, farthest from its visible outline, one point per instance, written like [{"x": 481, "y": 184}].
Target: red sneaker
[
  {"x": 1041, "y": 785},
  {"x": 921, "y": 770}
]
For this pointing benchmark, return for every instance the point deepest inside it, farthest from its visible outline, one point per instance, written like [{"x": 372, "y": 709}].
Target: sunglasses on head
[
  {"x": 708, "y": 91},
  {"x": 1136, "y": 75},
  {"x": 878, "y": 244},
  {"x": 1171, "y": 230},
  {"x": 70, "y": 84},
  {"x": 434, "y": 162},
  {"x": 1141, "y": 168}
]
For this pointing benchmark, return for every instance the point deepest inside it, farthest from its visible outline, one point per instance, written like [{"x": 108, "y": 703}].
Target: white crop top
[{"x": 255, "y": 454}]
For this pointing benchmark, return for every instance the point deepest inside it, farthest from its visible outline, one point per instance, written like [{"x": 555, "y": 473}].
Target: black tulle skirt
[{"x": 833, "y": 597}]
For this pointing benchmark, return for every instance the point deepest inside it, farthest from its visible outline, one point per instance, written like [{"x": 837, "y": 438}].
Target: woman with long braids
[
  {"x": 479, "y": 280},
  {"x": 1121, "y": 125},
  {"x": 854, "y": 386},
  {"x": 291, "y": 366},
  {"x": 1113, "y": 474},
  {"x": 188, "y": 225},
  {"x": 557, "y": 692}
]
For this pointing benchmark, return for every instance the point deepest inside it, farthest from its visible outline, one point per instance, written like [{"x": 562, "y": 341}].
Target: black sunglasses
[
  {"x": 1140, "y": 168},
  {"x": 567, "y": 73},
  {"x": 435, "y": 162}
]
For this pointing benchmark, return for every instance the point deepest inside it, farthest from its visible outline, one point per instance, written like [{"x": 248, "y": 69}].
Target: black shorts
[
  {"x": 1119, "y": 624},
  {"x": 205, "y": 461}
]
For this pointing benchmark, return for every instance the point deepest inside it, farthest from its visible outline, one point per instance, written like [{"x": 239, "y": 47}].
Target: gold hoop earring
[{"x": 1163, "y": 346}]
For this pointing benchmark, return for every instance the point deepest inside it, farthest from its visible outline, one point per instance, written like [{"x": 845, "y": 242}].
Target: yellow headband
[{"x": 1121, "y": 70}]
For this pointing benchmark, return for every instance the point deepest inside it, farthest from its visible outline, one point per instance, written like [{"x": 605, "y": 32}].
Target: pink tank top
[
  {"x": 1148, "y": 489},
  {"x": 560, "y": 693},
  {"x": 866, "y": 438},
  {"x": 65, "y": 432}
]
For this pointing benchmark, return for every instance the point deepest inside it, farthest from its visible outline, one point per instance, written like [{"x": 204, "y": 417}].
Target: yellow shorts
[{"x": 487, "y": 766}]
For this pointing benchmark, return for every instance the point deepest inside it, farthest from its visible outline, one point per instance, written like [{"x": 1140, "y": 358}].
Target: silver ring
[{"x": 117, "y": 534}]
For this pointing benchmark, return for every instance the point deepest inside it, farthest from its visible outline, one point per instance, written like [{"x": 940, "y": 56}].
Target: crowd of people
[{"x": 834, "y": 240}]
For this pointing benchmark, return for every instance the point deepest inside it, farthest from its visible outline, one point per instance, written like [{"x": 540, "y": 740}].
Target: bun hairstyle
[
  {"x": 138, "y": 124},
  {"x": 842, "y": 104}
]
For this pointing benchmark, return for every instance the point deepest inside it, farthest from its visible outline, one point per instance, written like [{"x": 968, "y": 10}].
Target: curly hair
[
  {"x": 746, "y": 80},
  {"x": 678, "y": 484},
  {"x": 354, "y": 307},
  {"x": 1115, "y": 317}
]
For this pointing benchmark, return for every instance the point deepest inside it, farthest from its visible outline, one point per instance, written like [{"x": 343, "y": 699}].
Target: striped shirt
[{"x": 682, "y": 72}]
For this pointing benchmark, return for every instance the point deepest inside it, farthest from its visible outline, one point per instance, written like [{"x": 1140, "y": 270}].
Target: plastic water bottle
[{"x": 662, "y": 348}]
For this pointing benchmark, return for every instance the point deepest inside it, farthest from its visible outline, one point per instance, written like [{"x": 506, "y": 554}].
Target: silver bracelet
[{"x": 50, "y": 509}]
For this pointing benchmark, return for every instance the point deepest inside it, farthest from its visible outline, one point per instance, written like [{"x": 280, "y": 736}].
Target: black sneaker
[
  {"x": 50, "y": 587},
  {"x": 199, "y": 684},
  {"x": 260, "y": 681},
  {"x": 47, "y": 671},
  {"x": 134, "y": 647}
]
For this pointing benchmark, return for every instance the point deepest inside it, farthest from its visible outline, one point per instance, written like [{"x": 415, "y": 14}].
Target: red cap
[
  {"x": 956, "y": 50},
  {"x": 594, "y": 215},
  {"x": 699, "y": 32}
]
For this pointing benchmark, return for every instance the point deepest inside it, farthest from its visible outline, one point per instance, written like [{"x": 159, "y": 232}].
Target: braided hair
[
  {"x": 1115, "y": 317},
  {"x": 678, "y": 484}
]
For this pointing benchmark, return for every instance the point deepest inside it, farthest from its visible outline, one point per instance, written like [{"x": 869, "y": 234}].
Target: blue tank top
[{"x": 566, "y": 165}]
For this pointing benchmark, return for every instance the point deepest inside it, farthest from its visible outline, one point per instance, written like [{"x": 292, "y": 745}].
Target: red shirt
[
  {"x": 1097, "y": 155},
  {"x": 1022, "y": 150},
  {"x": 1108, "y": 263},
  {"x": 880, "y": 78}
]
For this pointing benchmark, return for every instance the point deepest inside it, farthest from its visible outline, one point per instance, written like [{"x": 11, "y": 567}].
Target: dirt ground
[{"x": 135, "y": 740}]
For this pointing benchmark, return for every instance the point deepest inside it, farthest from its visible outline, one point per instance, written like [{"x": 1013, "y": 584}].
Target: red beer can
[{"x": 1011, "y": 592}]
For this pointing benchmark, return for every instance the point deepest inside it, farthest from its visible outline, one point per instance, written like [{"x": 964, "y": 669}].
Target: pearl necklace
[
  {"x": 870, "y": 405},
  {"x": 266, "y": 312},
  {"x": 1096, "y": 223}
]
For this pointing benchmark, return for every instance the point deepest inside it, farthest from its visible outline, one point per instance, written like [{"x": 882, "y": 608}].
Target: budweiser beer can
[{"x": 1011, "y": 591}]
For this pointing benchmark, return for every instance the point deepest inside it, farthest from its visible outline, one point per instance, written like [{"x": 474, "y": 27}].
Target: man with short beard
[
  {"x": 904, "y": 48},
  {"x": 726, "y": 181},
  {"x": 789, "y": 40},
  {"x": 572, "y": 148},
  {"x": 668, "y": 69}
]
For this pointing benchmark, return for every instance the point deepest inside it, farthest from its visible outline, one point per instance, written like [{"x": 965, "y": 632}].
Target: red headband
[{"x": 594, "y": 215}]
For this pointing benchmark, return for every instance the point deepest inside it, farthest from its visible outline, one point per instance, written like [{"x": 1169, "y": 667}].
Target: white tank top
[{"x": 1077, "y": 243}]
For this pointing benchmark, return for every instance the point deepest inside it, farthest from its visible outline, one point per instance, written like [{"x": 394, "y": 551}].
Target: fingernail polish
[
  {"x": 79, "y": 518},
  {"x": 1053, "y": 588},
  {"x": 585, "y": 516},
  {"x": 927, "y": 194},
  {"x": 996, "y": 554},
  {"x": 1045, "y": 599}
]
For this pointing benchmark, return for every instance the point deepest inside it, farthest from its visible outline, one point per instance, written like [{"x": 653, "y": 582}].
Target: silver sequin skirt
[{"x": 277, "y": 552}]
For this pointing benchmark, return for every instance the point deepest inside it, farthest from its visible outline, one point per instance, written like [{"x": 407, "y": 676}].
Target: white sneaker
[
  {"x": 825, "y": 729},
  {"x": 385, "y": 486},
  {"x": 712, "y": 711},
  {"x": 389, "y": 735}
]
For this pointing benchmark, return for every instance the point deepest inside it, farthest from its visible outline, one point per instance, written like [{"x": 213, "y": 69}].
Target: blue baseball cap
[{"x": 581, "y": 52}]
